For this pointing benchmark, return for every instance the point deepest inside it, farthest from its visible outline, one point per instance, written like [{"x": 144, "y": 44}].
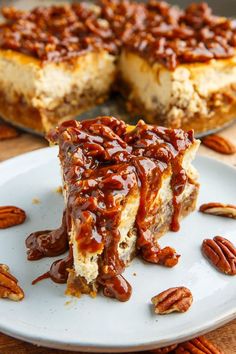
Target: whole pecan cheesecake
[
  {"x": 124, "y": 187},
  {"x": 177, "y": 67}
]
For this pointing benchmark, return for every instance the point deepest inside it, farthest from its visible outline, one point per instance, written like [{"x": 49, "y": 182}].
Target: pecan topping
[
  {"x": 11, "y": 216},
  {"x": 199, "y": 345},
  {"x": 9, "y": 287},
  {"x": 221, "y": 253},
  {"x": 166, "y": 256},
  {"x": 219, "y": 144},
  {"x": 177, "y": 299},
  {"x": 219, "y": 209},
  {"x": 159, "y": 32},
  {"x": 7, "y": 132}
]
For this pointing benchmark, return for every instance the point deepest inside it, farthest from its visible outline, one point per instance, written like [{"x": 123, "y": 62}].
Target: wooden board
[{"x": 224, "y": 337}]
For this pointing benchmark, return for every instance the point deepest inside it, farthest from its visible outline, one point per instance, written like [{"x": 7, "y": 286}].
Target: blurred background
[{"x": 221, "y": 7}]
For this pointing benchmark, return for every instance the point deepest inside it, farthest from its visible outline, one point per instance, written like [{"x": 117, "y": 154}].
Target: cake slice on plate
[{"x": 124, "y": 187}]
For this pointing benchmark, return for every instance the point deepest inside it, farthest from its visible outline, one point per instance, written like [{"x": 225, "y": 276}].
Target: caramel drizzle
[{"x": 100, "y": 159}]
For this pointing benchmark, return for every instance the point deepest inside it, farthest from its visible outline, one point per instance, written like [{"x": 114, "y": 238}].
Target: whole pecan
[
  {"x": 7, "y": 132},
  {"x": 177, "y": 299},
  {"x": 219, "y": 144},
  {"x": 11, "y": 216},
  {"x": 9, "y": 287},
  {"x": 164, "y": 350},
  {"x": 219, "y": 209},
  {"x": 199, "y": 345},
  {"x": 221, "y": 253}
]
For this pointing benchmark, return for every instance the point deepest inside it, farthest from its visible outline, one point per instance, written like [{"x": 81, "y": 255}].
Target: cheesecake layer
[
  {"x": 199, "y": 96},
  {"x": 52, "y": 91},
  {"x": 123, "y": 190}
]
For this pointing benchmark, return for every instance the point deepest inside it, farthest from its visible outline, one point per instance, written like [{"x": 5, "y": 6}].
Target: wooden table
[{"x": 225, "y": 336}]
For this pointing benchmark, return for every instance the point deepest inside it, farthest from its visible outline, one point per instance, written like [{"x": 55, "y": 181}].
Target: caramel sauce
[
  {"x": 117, "y": 287},
  {"x": 58, "y": 271},
  {"x": 159, "y": 32},
  {"x": 48, "y": 243},
  {"x": 102, "y": 164}
]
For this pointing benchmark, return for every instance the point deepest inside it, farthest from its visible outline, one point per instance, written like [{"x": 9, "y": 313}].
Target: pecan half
[
  {"x": 164, "y": 350},
  {"x": 7, "y": 132},
  {"x": 199, "y": 345},
  {"x": 221, "y": 253},
  {"x": 219, "y": 144},
  {"x": 219, "y": 209},
  {"x": 11, "y": 216},
  {"x": 177, "y": 299},
  {"x": 9, "y": 287}
]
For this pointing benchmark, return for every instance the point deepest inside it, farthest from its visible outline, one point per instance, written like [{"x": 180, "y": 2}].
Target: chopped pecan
[
  {"x": 164, "y": 350},
  {"x": 7, "y": 132},
  {"x": 9, "y": 287},
  {"x": 221, "y": 253},
  {"x": 219, "y": 209},
  {"x": 219, "y": 144},
  {"x": 177, "y": 299},
  {"x": 199, "y": 345},
  {"x": 11, "y": 216},
  {"x": 166, "y": 256}
]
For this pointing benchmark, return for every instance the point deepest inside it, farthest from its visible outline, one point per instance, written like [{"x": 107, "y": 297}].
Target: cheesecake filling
[{"x": 124, "y": 188}]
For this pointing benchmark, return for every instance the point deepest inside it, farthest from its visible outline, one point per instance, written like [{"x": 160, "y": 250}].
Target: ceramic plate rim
[{"x": 61, "y": 343}]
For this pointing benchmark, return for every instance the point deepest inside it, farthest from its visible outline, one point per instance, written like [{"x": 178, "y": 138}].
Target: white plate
[{"x": 47, "y": 317}]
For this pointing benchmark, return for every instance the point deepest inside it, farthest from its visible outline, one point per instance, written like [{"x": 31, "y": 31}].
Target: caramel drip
[
  {"x": 102, "y": 164},
  {"x": 48, "y": 243},
  {"x": 58, "y": 271}
]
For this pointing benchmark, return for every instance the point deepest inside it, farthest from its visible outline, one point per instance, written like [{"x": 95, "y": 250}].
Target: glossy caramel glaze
[
  {"x": 56, "y": 33},
  {"x": 102, "y": 163},
  {"x": 159, "y": 32},
  {"x": 48, "y": 243},
  {"x": 58, "y": 271},
  {"x": 171, "y": 36}
]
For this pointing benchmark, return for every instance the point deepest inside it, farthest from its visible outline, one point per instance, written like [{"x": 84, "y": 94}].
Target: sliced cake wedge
[{"x": 124, "y": 187}]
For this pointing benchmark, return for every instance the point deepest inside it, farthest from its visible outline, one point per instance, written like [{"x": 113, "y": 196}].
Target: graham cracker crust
[
  {"x": 222, "y": 110},
  {"x": 24, "y": 115},
  {"x": 20, "y": 114}
]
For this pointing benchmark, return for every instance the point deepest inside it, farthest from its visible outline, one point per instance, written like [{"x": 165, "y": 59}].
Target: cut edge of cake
[
  {"x": 39, "y": 95},
  {"x": 199, "y": 96},
  {"x": 84, "y": 276}
]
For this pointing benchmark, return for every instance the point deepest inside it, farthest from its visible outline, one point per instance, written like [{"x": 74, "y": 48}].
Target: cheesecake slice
[
  {"x": 124, "y": 187},
  {"x": 55, "y": 62},
  {"x": 179, "y": 67}
]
